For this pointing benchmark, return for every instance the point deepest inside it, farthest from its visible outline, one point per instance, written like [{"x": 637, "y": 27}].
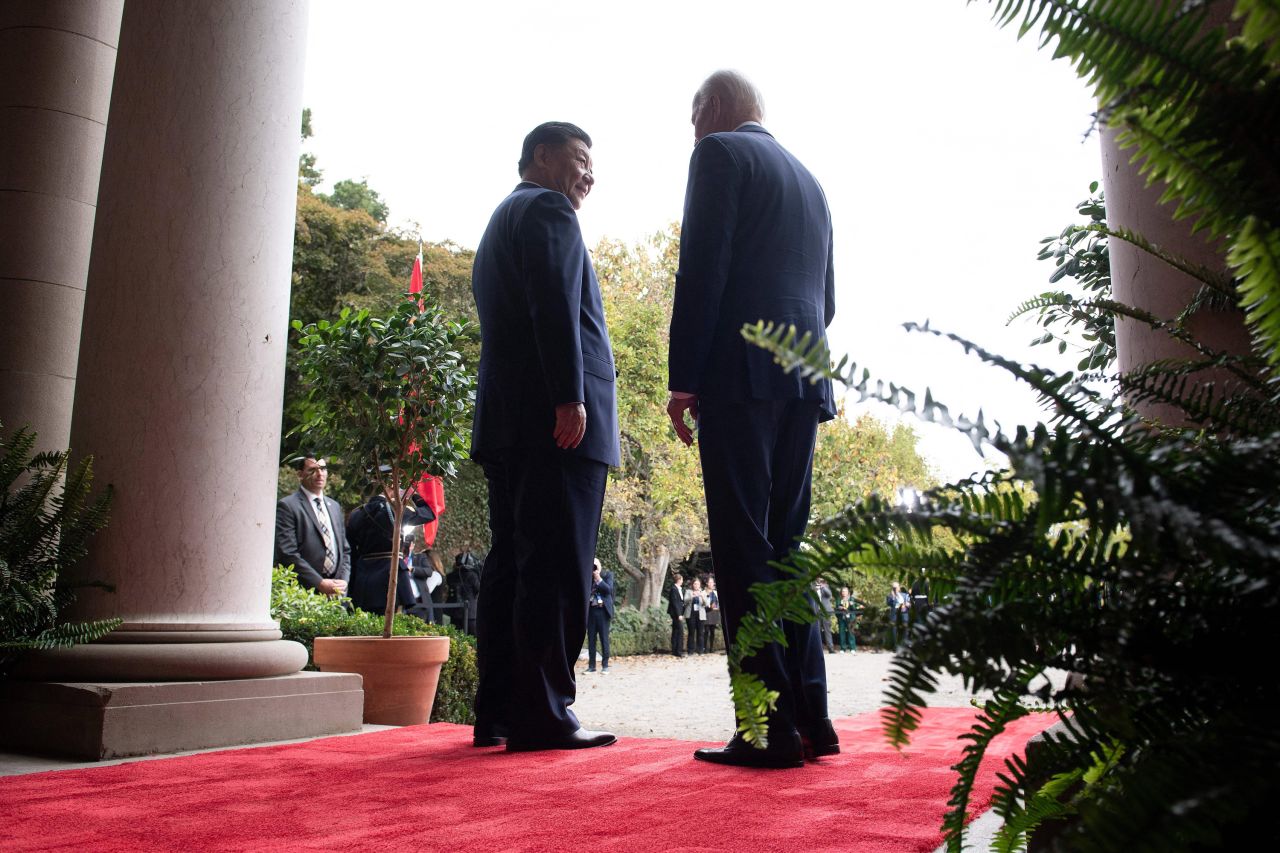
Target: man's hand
[
  {"x": 679, "y": 403},
  {"x": 571, "y": 425},
  {"x": 330, "y": 586}
]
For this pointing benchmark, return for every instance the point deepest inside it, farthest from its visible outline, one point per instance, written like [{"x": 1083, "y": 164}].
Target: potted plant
[{"x": 393, "y": 397}]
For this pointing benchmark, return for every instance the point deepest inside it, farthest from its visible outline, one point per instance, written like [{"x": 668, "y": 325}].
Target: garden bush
[
  {"x": 305, "y": 615},
  {"x": 639, "y": 632}
]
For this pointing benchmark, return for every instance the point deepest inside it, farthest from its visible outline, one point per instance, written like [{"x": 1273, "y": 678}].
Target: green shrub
[
  {"x": 305, "y": 615},
  {"x": 639, "y": 632},
  {"x": 46, "y": 519}
]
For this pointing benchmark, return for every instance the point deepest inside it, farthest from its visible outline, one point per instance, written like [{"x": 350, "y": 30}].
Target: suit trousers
[
  {"x": 693, "y": 644},
  {"x": 544, "y": 516},
  {"x": 757, "y": 461},
  {"x": 598, "y": 629}
]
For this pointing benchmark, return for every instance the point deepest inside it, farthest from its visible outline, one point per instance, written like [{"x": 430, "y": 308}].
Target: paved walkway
[{"x": 688, "y": 698}]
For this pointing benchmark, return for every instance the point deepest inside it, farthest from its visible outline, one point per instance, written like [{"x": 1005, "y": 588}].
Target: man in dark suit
[
  {"x": 311, "y": 533},
  {"x": 676, "y": 609},
  {"x": 371, "y": 533},
  {"x": 546, "y": 432},
  {"x": 599, "y": 616},
  {"x": 755, "y": 244}
]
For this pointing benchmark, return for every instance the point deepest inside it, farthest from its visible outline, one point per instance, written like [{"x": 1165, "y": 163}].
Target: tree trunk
[
  {"x": 636, "y": 573},
  {"x": 655, "y": 573},
  {"x": 394, "y": 573}
]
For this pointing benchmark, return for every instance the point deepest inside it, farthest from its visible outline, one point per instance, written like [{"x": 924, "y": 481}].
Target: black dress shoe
[
  {"x": 489, "y": 734},
  {"x": 581, "y": 739},
  {"x": 784, "y": 751},
  {"x": 820, "y": 739}
]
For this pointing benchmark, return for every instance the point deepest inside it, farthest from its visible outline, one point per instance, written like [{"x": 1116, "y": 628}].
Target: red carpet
[{"x": 424, "y": 788}]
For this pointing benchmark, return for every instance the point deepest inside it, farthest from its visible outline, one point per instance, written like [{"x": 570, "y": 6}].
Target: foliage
[
  {"x": 639, "y": 632},
  {"x": 345, "y": 256},
  {"x": 851, "y": 461},
  {"x": 304, "y": 615},
  {"x": 308, "y": 174},
  {"x": 356, "y": 195},
  {"x": 654, "y": 506},
  {"x": 466, "y": 515},
  {"x": 46, "y": 519},
  {"x": 1081, "y": 253},
  {"x": 1200, "y": 109},
  {"x": 390, "y": 395},
  {"x": 655, "y": 510},
  {"x": 855, "y": 459},
  {"x": 336, "y": 252},
  {"x": 1143, "y": 560}
]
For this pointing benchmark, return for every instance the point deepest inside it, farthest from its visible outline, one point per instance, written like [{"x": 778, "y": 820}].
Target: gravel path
[{"x": 688, "y": 698}]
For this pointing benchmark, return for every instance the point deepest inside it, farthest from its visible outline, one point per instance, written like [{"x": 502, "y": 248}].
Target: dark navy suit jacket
[
  {"x": 747, "y": 196},
  {"x": 544, "y": 340}
]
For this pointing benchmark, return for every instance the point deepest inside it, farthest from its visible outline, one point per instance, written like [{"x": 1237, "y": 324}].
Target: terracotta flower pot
[{"x": 400, "y": 674}]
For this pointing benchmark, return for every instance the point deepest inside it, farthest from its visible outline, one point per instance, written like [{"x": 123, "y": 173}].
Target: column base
[
  {"x": 161, "y": 660},
  {"x": 96, "y": 721}
]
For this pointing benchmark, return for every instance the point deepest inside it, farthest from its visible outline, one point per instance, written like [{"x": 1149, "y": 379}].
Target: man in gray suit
[{"x": 311, "y": 534}]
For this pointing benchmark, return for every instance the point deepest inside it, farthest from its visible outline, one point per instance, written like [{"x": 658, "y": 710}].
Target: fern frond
[{"x": 1255, "y": 256}]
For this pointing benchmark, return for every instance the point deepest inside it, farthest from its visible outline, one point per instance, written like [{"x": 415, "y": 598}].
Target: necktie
[{"x": 329, "y": 553}]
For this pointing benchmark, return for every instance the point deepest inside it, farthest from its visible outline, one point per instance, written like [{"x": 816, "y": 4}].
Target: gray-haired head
[{"x": 725, "y": 100}]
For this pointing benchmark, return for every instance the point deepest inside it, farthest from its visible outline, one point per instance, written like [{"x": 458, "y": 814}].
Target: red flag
[
  {"x": 432, "y": 490},
  {"x": 415, "y": 279}
]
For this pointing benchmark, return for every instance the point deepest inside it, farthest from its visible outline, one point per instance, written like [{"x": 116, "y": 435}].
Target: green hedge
[
  {"x": 639, "y": 632},
  {"x": 305, "y": 615}
]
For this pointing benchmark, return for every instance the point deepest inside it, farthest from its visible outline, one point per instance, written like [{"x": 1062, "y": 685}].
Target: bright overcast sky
[{"x": 947, "y": 149}]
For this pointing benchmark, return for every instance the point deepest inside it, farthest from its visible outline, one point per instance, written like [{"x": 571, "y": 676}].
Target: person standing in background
[
  {"x": 676, "y": 609},
  {"x": 846, "y": 613},
  {"x": 311, "y": 533},
  {"x": 712, "y": 620},
  {"x": 600, "y": 616},
  {"x": 695, "y": 611}
]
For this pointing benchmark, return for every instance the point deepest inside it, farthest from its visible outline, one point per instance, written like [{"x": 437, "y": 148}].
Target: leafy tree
[
  {"x": 308, "y": 174},
  {"x": 356, "y": 195},
  {"x": 336, "y": 253},
  {"x": 854, "y": 460},
  {"x": 393, "y": 395},
  {"x": 345, "y": 256},
  {"x": 654, "y": 507}
]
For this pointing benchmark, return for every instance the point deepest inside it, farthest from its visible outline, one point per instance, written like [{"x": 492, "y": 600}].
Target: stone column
[
  {"x": 1141, "y": 280},
  {"x": 56, "y": 62},
  {"x": 181, "y": 365}
]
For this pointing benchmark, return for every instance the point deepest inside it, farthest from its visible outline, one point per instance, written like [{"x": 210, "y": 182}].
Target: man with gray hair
[{"x": 755, "y": 244}]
